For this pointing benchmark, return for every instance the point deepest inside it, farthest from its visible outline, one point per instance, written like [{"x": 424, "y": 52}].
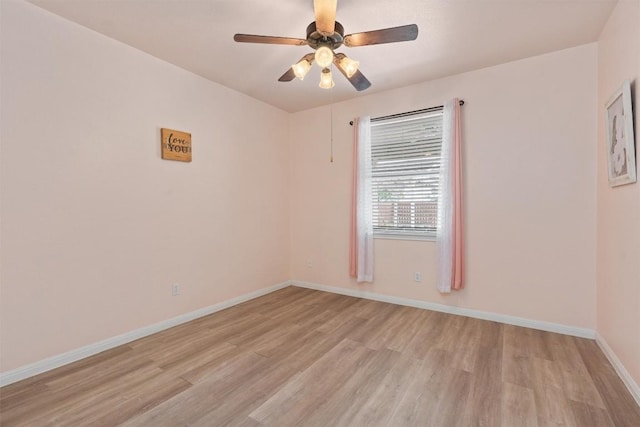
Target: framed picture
[{"x": 620, "y": 141}]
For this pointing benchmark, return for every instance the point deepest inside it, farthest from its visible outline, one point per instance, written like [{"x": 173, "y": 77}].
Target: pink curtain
[
  {"x": 353, "y": 237},
  {"x": 450, "y": 237},
  {"x": 457, "y": 282}
]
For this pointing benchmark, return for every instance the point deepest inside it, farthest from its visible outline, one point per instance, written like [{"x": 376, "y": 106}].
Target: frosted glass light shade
[
  {"x": 326, "y": 79},
  {"x": 349, "y": 66},
  {"x": 323, "y": 56},
  {"x": 301, "y": 69}
]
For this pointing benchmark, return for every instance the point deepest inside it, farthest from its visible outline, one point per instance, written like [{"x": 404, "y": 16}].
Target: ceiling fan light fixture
[
  {"x": 326, "y": 35},
  {"x": 349, "y": 66},
  {"x": 301, "y": 68},
  {"x": 323, "y": 56},
  {"x": 326, "y": 79}
]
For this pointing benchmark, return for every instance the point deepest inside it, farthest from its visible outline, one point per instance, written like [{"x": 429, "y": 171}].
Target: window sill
[{"x": 428, "y": 238}]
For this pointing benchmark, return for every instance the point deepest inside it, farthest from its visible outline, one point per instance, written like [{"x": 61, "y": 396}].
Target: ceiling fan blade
[
  {"x": 325, "y": 11},
  {"x": 289, "y": 74},
  {"x": 251, "y": 38},
  {"x": 387, "y": 35},
  {"x": 358, "y": 80}
]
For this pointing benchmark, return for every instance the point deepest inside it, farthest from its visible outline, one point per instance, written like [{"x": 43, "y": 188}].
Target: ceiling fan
[{"x": 325, "y": 35}]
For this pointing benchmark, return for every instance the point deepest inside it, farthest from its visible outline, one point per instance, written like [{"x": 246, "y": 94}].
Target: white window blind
[{"x": 405, "y": 155}]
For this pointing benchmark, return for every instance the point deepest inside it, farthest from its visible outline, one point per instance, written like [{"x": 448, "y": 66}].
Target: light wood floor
[{"x": 299, "y": 357}]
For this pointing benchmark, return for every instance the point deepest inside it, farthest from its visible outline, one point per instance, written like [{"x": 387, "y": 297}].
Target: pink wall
[
  {"x": 530, "y": 137},
  {"x": 95, "y": 226},
  {"x": 618, "y": 259}
]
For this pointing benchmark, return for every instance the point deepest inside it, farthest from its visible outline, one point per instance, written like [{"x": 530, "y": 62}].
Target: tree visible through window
[{"x": 405, "y": 155}]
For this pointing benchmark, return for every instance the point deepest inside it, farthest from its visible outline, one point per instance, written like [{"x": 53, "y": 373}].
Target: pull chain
[
  {"x": 331, "y": 119},
  {"x": 332, "y": 130}
]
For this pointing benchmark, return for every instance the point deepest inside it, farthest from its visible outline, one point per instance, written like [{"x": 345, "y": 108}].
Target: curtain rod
[{"x": 408, "y": 113}]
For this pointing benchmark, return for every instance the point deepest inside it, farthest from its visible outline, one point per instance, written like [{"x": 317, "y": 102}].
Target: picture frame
[{"x": 621, "y": 159}]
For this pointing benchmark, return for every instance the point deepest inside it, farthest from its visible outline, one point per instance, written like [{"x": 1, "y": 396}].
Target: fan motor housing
[{"x": 334, "y": 41}]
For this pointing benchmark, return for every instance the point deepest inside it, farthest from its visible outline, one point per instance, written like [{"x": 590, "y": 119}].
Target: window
[{"x": 405, "y": 156}]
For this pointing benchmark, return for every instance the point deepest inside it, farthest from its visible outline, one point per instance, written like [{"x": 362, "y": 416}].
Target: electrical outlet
[
  {"x": 175, "y": 289},
  {"x": 417, "y": 276},
  {"x": 309, "y": 263}
]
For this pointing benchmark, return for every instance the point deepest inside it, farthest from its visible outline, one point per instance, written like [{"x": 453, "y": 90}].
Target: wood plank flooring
[{"x": 299, "y": 357}]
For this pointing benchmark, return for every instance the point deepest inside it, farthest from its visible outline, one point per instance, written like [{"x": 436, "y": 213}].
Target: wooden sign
[{"x": 176, "y": 145}]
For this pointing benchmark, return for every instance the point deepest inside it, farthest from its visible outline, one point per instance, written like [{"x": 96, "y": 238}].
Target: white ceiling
[{"x": 454, "y": 36}]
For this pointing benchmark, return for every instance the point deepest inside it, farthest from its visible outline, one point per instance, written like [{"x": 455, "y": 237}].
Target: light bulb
[
  {"x": 349, "y": 66},
  {"x": 326, "y": 80},
  {"x": 301, "y": 68},
  {"x": 324, "y": 56}
]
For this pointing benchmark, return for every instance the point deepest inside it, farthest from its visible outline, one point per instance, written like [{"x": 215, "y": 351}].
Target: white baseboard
[
  {"x": 501, "y": 318},
  {"x": 91, "y": 349},
  {"x": 624, "y": 375}
]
